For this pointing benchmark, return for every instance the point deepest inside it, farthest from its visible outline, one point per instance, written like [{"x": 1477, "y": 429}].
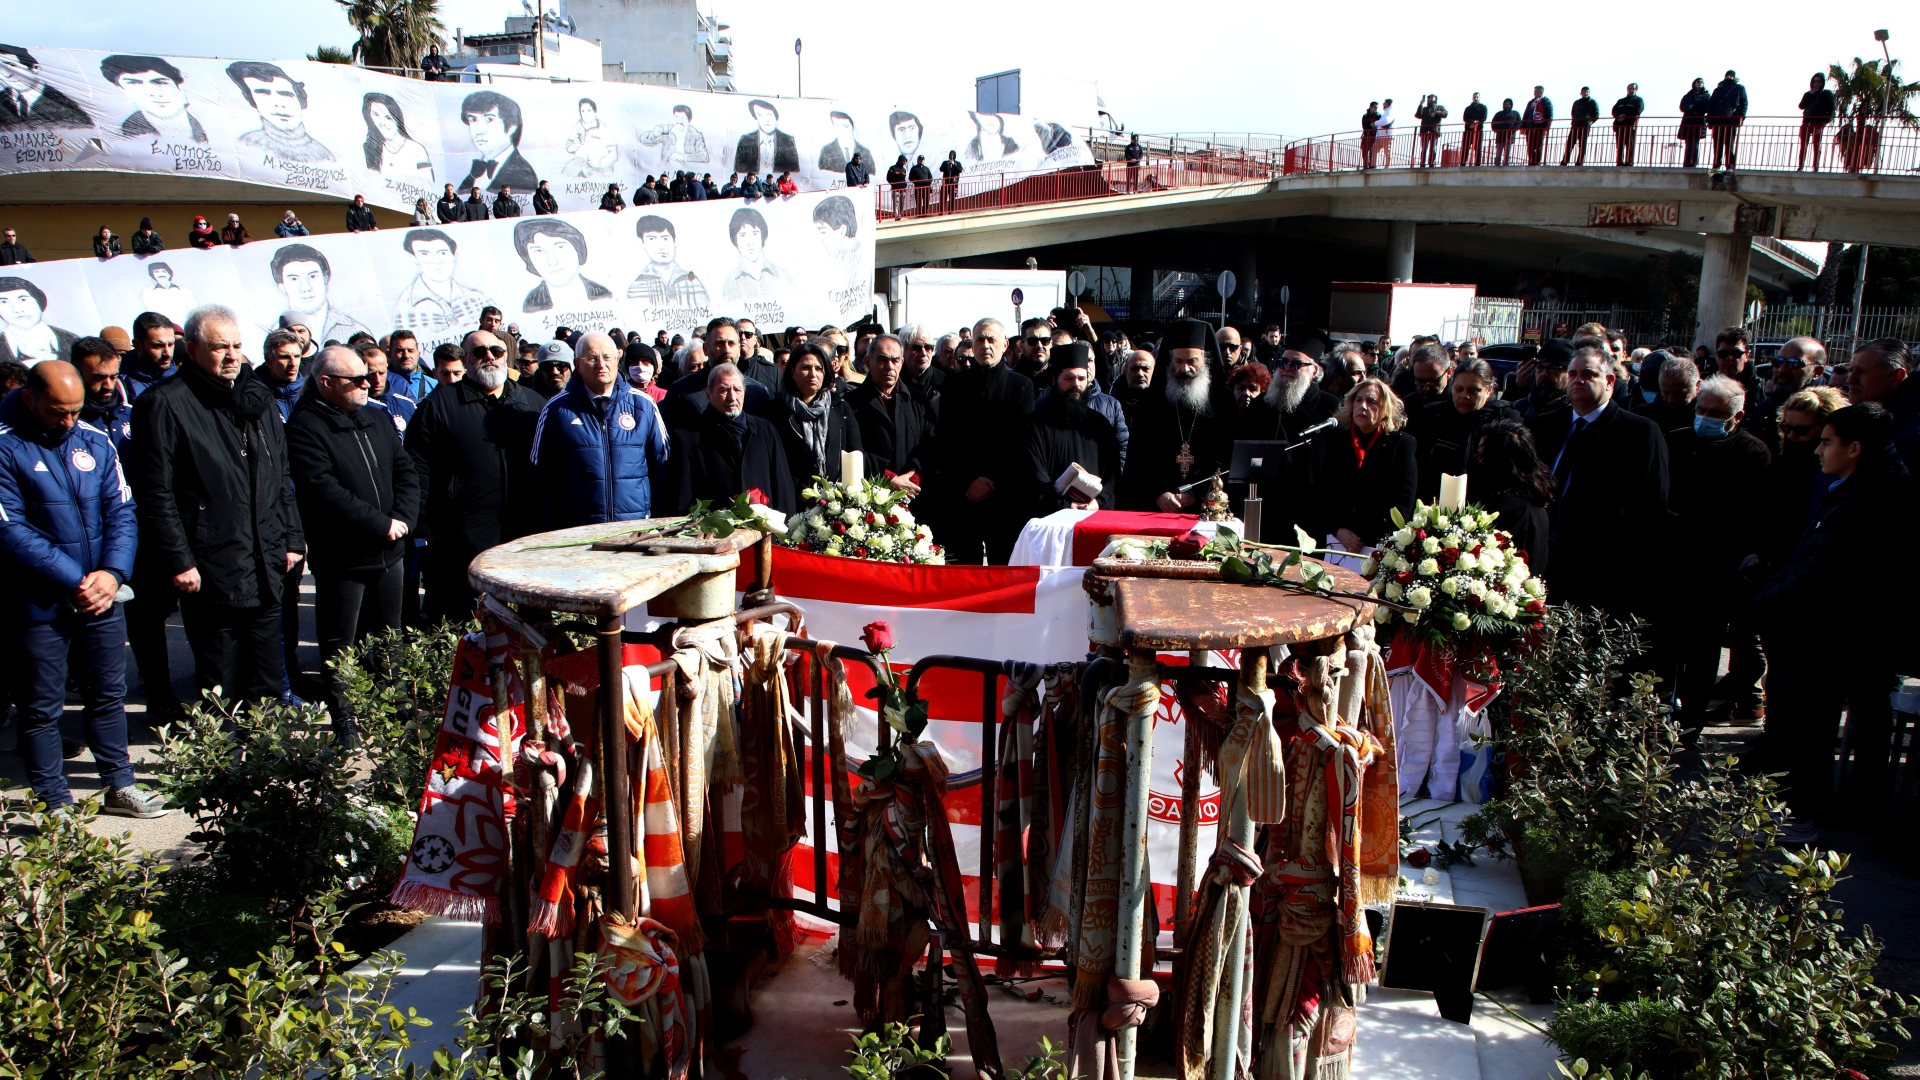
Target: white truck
[
  {"x": 1368, "y": 309},
  {"x": 944, "y": 300}
]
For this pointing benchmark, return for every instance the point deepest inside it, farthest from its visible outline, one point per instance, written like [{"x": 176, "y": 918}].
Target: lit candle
[
  {"x": 853, "y": 467},
  {"x": 1453, "y": 492}
]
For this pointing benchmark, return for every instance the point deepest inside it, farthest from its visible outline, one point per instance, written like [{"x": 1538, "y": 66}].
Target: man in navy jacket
[
  {"x": 67, "y": 539},
  {"x": 597, "y": 443}
]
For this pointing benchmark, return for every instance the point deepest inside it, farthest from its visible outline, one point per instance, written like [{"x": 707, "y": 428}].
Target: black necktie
[{"x": 1563, "y": 469}]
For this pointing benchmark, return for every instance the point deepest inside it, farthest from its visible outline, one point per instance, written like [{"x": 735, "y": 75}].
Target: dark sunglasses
[
  {"x": 1730, "y": 354},
  {"x": 1799, "y": 429},
  {"x": 748, "y": 333},
  {"x": 495, "y": 351},
  {"x": 1284, "y": 364},
  {"x": 1035, "y": 341},
  {"x": 1790, "y": 361},
  {"x": 357, "y": 380}
]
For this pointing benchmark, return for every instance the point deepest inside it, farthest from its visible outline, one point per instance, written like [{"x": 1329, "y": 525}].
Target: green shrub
[
  {"x": 395, "y": 684},
  {"x": 1615, "y": 1036},
  {"x": 212, "y": 921},
  {"x": 276, "y": 800}
]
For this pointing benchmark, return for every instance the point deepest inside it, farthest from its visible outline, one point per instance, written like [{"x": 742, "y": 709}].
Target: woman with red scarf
[{"x": 1369, "y": 467}]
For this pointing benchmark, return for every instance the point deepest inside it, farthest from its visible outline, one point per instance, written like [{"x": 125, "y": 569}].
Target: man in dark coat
[
  {"x": 360, "y": 216},
  {"x": 450, "y": 209},
  {"x": 1693, "y": 119},
  {"x": 1063, "y": 432},
  {"x": 1179, "y": 433},
  {"x": 475, "y": 208},
  {"x": 356, "y": 486},
  {"x": 1549, "y": 390},
  {"x": 1290, "y": 411},
  {"x": 1718, "y": 498},
  {"x": 895, "y": 420},
  {"x": 1626, "y": 122},
  {"x": 1610, "y": 480},
  {"x": 505, "y": 205},
  {"x": 471, "y": 443},
  {"x": 1536, "y": 116},
  {"x": 1444, "y": 429},
  {"x": 210, "y": 478},
  {"x": 1726, "y": 111},
  {"x": 1585, "y": 111},
  {"x": 982, "y": 458},
  {"x": 726, "y": 451},
  {"x": 1868, "y": 508}
]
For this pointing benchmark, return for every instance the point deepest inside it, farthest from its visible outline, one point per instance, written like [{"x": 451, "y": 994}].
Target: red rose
[
  {"x": 878, "y": 636},
  {"x": 1419, "y": 534},
  {"x": 1505, "y": 540},
  {"x": 840, "y": 528},
  {"x": 1186, "y": 546},
  {"x": 1450, "y": 555},
  {"x": 1521, "y": 554},
  {"x": 756, "y": 497},
  {"x": 1418, "y": 858},
  {"x": 1478, "y": 548},
  {"x": 1404, "y": 577},
  {"x": 860, "y": 552},
  {"x": 1500, "y": 586},
  {"x": 822, "y": 503},
  {"x": 875, "y": 519},
  {"x": 1536, "y": 607}
]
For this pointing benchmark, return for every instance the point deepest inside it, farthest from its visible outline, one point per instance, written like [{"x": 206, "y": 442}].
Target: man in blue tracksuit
[
  {"x": 67, "y": 538},
  {"x": 597, "y": 443}
]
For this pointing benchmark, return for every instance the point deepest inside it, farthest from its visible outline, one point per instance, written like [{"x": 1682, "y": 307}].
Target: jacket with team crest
[{"x": 65, "y": 512}]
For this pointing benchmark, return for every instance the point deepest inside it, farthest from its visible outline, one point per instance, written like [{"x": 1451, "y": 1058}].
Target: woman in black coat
[
  {"x": 1370, "y": 468},
  {"x": 1509, "y": 478},
  {"x": 812, "y": 417}
]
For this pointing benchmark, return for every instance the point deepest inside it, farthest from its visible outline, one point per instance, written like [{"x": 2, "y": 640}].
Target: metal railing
[
  {"x": 1774, "y": 144},
  {"x": 1009, "y": 190},
  {"x": 1833, "y": 326}
]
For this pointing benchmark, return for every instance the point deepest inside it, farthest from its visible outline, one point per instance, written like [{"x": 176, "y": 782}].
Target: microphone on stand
[{"x": 1313, "y": 429}]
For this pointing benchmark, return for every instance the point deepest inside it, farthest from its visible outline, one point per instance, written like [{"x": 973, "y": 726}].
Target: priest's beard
[
  {"x": 1069, "y": 408},
  {"x": 1191, "y": 393},
  {"x": 1287, "y": 394},
  {"x": 489, "y": 376}
]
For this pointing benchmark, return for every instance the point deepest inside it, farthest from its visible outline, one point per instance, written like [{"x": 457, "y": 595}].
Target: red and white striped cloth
[{"x": 1028, "y": 613}]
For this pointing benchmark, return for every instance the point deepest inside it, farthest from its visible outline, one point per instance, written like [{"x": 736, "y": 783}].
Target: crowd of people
[
  {"x": 176, "y": 468},
  {"x": 1714, "y": 116}
]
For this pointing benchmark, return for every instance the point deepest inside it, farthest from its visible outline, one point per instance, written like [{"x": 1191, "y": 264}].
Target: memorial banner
[
  {"x": 802, "y": 260},
  {"x": 344, "y": 130}
]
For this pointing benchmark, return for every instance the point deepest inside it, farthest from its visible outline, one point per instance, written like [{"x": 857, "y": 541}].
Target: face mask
[
  {"x": 1708, "y": 427},
  {"x": 1649, "y": 395}
]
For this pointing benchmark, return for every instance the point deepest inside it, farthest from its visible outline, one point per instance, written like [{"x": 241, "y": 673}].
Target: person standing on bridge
[
  {"x": 1135, "y": 154},
  {"x": 1535, "y": 119},
  {"x": 1383, "y": 131},
  {"x": 1626, "y": 120},
  {"x": 1816, "y": 112},
  {"x": 1474, "y": 117},
  {"x": 1505, "y": 123},
  {"x": 1431, "y": 112},
  {"x": 1726, "y": 111},
  {"x": 1693, "y": 120},
  {"x": 1367, "y": 120},
  {"x": 1585, "y": 112}
]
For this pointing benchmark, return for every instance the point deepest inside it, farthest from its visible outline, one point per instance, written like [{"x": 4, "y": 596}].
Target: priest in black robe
[
  {"x": 1065, "y": 430},
  {"x": 982, "y": 496},
  {"x": 1293, "y": 409},
  {"x": 1181, "y": 432}
]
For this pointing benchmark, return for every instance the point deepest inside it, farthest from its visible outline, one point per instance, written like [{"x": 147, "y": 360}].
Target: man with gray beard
[
  {"x": 1291, "y": 408},
  {"x": 1177, "y": 436},
  {"x": 471, "y": 442}
]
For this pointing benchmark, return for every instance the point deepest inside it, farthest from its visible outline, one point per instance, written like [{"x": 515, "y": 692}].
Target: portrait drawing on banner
[
  {"x": 990, "y": 141},
  {"x": 158, "y": 92},
  {"x": 756, "y": 285},
  {"x": 671, "y": 292},
  {"x": 766, "y": 149},
  {"x": 28, "y": 101},
  {"x": 28, "y": 337},
  {"x": 851, "y": 280},
  {"x": 908, "y": 133},
  {"x": 436, "y": 305},
  {"x": 391, "y": 150},
  {"x": 680, "y": 144},
  {"x": 166, "y": 295},
  {"x": 835, "y": 155},
  {"x": 555, "y": 251},
  {"x": 591, "y": 144},
  {"x": 305, "y": 278},
  {"x": 282, "y": 105},
  {"x": 494, "y": 127}
]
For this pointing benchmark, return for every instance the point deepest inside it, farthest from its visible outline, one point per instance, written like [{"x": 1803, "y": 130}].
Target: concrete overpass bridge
[{"x": 1603, "y": 215}]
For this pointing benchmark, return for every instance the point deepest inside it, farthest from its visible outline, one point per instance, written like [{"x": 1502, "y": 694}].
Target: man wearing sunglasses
[
  {"x": 359, "y": 496},
  {"x": 470, "y": 442},
  {"x": 1800, "y": 363},
  {"x": 1735, "y": 358}
]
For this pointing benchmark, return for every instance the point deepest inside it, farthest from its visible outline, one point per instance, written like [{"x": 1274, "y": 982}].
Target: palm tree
[
  {"x": 1866, "y": 97},
  {"x": 329, "y": 54},
  {"x": 394, "y": 33}
]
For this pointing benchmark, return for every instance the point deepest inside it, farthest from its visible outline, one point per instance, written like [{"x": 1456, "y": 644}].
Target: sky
[{"x": 1197, "y": 66}]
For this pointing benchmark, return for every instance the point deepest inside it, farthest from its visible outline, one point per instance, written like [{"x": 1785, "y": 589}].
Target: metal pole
[
  {"x": 613, "y": 770},
  {"x": 1134, "y": 889},
  {"x": 1226, "y": 1021},
  {"x": 1859, "y": 294}
]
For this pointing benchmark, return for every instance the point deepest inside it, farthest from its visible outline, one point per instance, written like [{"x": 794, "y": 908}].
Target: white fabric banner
[
  {"x": 344, "y": 130},
  {"x": 802, "y": 260}
]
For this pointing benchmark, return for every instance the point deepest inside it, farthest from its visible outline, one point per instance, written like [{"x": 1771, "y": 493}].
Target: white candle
[
  {"x": 1453, "y": 492},
  {"x": 853, "y": 466}
]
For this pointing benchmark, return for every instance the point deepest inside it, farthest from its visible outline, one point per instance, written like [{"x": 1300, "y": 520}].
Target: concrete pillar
[
  {"x": 1723, "y": 284},
  {"x": 1400, "y": 250}
]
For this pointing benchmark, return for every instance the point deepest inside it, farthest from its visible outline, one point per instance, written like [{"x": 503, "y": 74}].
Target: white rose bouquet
[
  {"x": 1463, "y": 577},
  {"x": 868, "y": 519}
]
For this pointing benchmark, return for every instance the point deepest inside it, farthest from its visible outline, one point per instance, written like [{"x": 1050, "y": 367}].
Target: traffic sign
[
  {"x": 1019, "y": 298},
  {"x": 796, "y": 46},
  {"x": 1225, "y": 283},
  {"x": 1286, "y": 294},
  {"x": 1076, "y": 283}
]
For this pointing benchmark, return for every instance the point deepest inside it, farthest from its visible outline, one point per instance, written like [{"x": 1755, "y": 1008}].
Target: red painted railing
[
  {"x": 1770, "y": 144},
  {"x": 1001, "y": 191}
]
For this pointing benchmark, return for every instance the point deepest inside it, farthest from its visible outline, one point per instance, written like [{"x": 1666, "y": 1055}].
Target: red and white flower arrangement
[
  {"x": 1462, "y": 577},
  {"x": 867, "y": 519}
]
